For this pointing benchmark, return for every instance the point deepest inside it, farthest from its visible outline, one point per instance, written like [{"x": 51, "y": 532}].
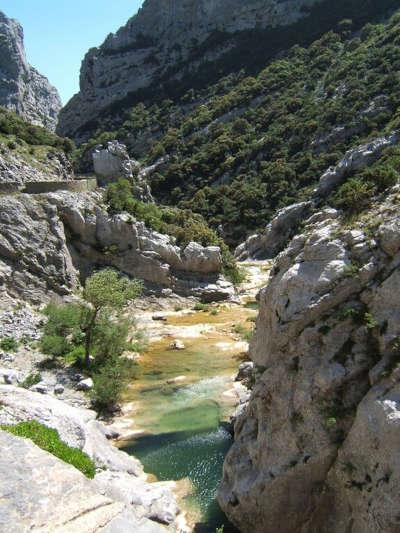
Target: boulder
[
  {"x": 10, "y": 376},
  {"x": 177, "y": 345},
  {"x": 85, "y": 384}
]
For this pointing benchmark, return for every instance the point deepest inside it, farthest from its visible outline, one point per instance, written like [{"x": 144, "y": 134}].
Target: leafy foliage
[
  {"x": 49, "y": 440},
  {"x": 248, "y": 145},
  {"x": 9, "y": 344},
  {"x": 96, "y": 328},
  {"x": 12, "y": 124}
]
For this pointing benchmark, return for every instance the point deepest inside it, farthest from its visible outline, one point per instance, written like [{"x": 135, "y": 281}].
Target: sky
[{"x": 58, "y": 33}]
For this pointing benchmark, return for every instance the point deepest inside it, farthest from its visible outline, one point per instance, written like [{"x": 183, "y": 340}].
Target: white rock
[{"x": 85, "y": 384}]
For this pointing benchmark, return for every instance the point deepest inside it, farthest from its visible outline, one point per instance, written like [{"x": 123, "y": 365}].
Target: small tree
[{"x": 105, "y": 292}]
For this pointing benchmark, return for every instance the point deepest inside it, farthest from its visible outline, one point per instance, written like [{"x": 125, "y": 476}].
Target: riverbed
[{"x": 175, "y": 413}]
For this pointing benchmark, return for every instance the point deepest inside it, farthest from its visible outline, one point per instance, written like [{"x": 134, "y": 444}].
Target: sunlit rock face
[
  {"x": 168, "y": 40},
  {"x": 314, "y": 449},
  {"x": 22, "y": 88}
]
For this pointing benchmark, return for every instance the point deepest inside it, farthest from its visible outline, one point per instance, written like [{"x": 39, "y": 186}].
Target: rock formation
[
  {"x": 315, "y": 449},
  {"x": 48, "y": 242},
  {"x": 112, "y": 161},
  {"x": 268, "y": 243},
  {"x": 165, "y": 41},
  {"x": 22, "y": 88},
  {"x": 55, "y": 496},
  {"x": 15, "y": 169}
]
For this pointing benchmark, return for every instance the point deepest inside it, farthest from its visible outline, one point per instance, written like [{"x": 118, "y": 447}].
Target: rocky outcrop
[
  {"x": 354, "y": 160},
  {"x": 272, "y": 240},
  {"x": 315, "y": 448},
  {"x": 119, "y": 491},
  {"x": 112, "y": 162},
  {"x": 22, "y": 88},
  {"x": 48, "y": 242},
  {"x": 268, "y": 243},
  {"x": 17, "y": 170},
  {"x": 165, "y": 41},
  {"x": 42, "y": 493}
]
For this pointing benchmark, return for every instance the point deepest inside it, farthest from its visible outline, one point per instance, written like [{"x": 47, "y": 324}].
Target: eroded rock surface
[
  {"x": 42, "y": 493},
  {"x": 314, "y": 449},
  {"x": 22, "y": 88},
  {"x": 48, "y": 242},
  {"x": 120, "y": 476},
  {"x": 162, "y": 39}
]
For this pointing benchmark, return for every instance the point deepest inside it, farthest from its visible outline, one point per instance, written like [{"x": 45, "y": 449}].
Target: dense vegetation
[
  {"x": 49, "y": 440},
  {"x": 15, "y": 127},
  {"x": 94, "y": 334},
  {"x": 249, "y": 145}
]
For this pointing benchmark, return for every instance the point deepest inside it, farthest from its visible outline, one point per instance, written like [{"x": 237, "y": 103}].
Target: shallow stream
[{"x": 180, "y": 401}]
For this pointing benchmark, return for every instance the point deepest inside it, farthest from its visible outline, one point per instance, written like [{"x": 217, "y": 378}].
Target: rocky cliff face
[
  {"x": 164, "y": 42},
  {"x": 317, "y": 447},
  {"x": 48, "y": 242},
  {"x": 22, "y": 88}
]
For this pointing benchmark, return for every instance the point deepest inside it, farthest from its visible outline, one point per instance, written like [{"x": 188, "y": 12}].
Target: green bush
[
  {"x": 32, "y": 379},
  {"x": 238, "y": 172},
  {"x": 13, "y": 124},
  {"x": 55, "y": 345},
  {"x": 9, "y": 344},
  {"x": 49, "y": 440},
  {"x": 110, "y": 381},
  {"x": 354, "y": 195}
]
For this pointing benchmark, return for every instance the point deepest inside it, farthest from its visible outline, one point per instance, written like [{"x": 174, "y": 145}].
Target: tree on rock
[{"x": 105, "y": 292}]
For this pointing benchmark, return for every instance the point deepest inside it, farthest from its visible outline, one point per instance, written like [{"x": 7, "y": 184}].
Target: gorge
[{"x": 233, "y": 172}]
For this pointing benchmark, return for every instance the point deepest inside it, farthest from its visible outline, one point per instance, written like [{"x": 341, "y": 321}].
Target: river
[{"x": 175, "y": 410}]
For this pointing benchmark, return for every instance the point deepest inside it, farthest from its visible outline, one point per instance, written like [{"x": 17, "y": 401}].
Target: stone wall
[{"x": 41, "y": 187}]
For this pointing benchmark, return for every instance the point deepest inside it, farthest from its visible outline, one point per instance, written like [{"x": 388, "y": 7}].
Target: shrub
[
  {"x": 49, "y": 440},
  {"x": 32, "y": 379},
  {"x": 354, "y": 195},
  {"x": 110, "y": 382},
  {"x": 55, "y": 345},
  {"x": 9, "y": 344}
]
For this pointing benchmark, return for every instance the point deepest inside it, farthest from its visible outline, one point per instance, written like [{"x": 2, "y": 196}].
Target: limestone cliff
[
  {"x": 164, "y": 42},
  {"x": 316, "y": 449},
  {"x": 22, "y": 88}
]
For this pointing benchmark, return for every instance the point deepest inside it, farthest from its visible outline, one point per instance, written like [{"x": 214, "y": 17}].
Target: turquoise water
[
  {"x": 180, "y": 405},
  {"x": 195, "y": 455}
]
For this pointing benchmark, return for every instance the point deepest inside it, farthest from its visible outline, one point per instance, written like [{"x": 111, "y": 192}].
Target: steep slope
[
  {"x": 22, "y": 88},
  {"x": 247, "y": 146},
  {"x": 175, "y": 45},
  {"x": 316, "y": 449}
]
